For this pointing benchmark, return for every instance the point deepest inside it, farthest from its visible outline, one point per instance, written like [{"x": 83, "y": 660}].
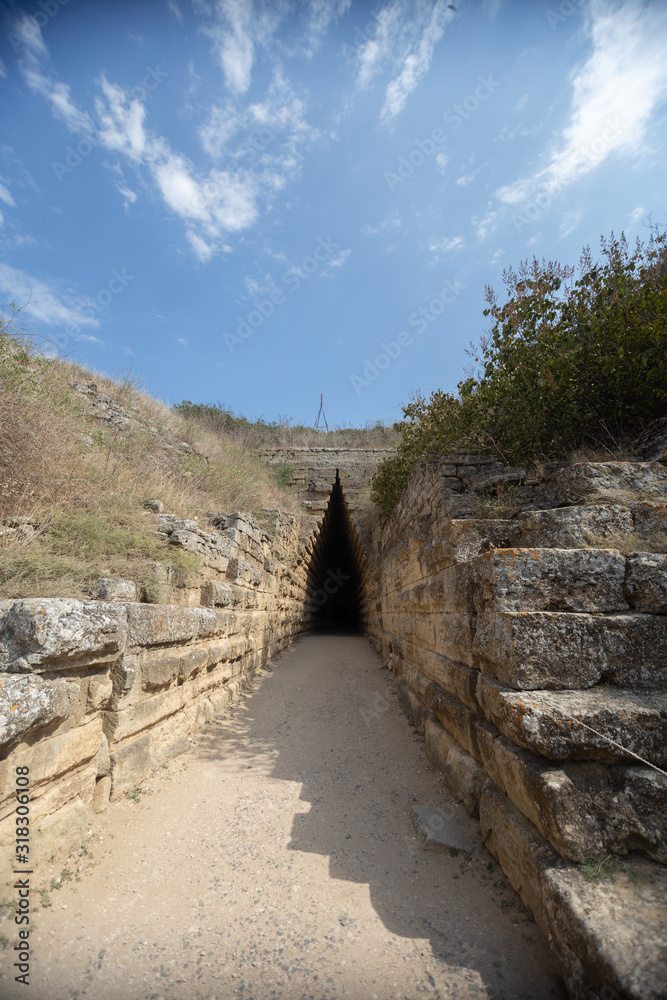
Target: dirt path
[{"x": 277, "y": 860}]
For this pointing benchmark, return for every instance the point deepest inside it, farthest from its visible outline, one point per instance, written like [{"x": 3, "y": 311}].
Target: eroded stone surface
[
  {"x": 539, "y": 649},
  {"x": 559, "y": 724},
  {"x": 54, "y": 633},
  {"x": 620, "y": 480},
  {"x": 440, "y": 829},
  {"x": 572, "y": 527},
  {"x": 27, "y": 702},
  {"x": 547, "y": 579},
  {"x": 646, "y": 582}
]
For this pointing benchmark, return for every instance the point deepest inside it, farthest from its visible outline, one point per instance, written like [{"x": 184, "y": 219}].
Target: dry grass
[
  {"x": 84, "y": 482},
  {"x": 654, "y": 541}
]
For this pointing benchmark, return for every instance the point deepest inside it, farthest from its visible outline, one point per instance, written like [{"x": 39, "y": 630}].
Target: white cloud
[
  {"x": 637, "y": 214},
  {"x": 405, "y": 36},
  {"x": 339, "y": 259},
  {"x": 182, "y": 341},
  {"x": 466, "y": 179},
  {"x": 33, "y": 54},
  {"x": 46, "y": 302},
  {"x": 415, "y": 64},
  {"x": 569, "y": 222},
  {"x": 388, "y": 224},
  {"x": 484, "y": 226},
  {"x": 3, "y": 71},
  {"x": 447, "y": 245},
  {"x": 442, "y": 160},
  {"x": 615, "y": 93},
  {"x": 5, "y": 194}
]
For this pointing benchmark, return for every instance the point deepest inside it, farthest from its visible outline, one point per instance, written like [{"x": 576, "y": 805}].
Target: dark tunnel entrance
[{"x": 334, "y": 584}]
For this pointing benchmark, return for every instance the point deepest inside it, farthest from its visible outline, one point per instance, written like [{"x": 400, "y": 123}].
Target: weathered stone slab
[
  {"x": 646, "y": 582},
  {"x": 620, "y": 480},
  {"x": 29, "y": 702},
  {"x": 463, "y": 776},
  {"x": 554, "y": 650},
  {"x": 584, "y": 809},
  {"x": 649, "y": 517},
  {"x": 572, "y": 527},
  {"x": 38, "y": 634},
  {"x": 607, "y": 938},
  {"x": 143, "y": 714},
  {"x": 589, "y": 580},
  {"x": 216, "y": 594},
  {"x": 440, "y": 829},
  {"x": 459, "y": 541},
  {"x": 559, "y": 724},
  {"x": 162, "y": 624},
  {"x": 160, "y": 667},
  {"x": 50, "y": 758},
  {"x": 130, "y": 765},
  {"x": 115, "y": 588}
]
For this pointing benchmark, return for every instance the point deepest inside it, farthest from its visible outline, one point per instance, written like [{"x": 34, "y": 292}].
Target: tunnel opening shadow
[{"x": 335, "y": 576}]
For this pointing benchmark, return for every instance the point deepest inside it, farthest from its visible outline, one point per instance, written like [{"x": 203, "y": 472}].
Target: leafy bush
[{"x": 568, "y": 363}]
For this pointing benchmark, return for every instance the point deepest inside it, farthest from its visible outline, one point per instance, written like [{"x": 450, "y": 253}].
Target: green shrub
[{"x": 567, "y": 364}]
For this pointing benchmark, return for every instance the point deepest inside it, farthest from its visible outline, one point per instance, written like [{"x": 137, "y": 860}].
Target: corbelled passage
[{"x": 335, "y": 582}]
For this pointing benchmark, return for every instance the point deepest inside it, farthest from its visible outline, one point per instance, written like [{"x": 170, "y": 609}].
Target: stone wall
[
  {"x": 95, "y": 694},
  {"x": 535, "y": 666}
]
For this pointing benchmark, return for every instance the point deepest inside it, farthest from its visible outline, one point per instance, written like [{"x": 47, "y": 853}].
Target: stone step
[
  {"x": 608, "y": 938},
  {"x": 547, "y": 579},
  {"x": 535, "y": 650},
  {"x": 549, "y": 723},
  {"x": 622, "y": 482}
]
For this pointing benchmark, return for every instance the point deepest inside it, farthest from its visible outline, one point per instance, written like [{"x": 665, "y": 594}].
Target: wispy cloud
[
  {"x": 447, "y": 244},
  {"x": 614, "y": 96},
  {"x": 5, "y": 194},
  {"x": 47, "y": 302},
  {"x": 404, "y": 36}
]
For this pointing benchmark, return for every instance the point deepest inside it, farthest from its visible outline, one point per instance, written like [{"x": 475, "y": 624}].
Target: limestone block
[
  {"x": 48, "y": 760},
  {"x": 454, "y": 716},
  {"x": 58, "y": 835},
  {"x": 489, "y": 477},
  {"x": 100, "y": 690},
  {"x": 454, "y": 677},
  {"x": 130, "y": 765},
  {"x": 649, "y": 517},
  {"x": 102, "y": 758},
  {"x": 30, "y": 702},
  {"x": 609, "y": 938},
  {"x": 102, "y": 793},
  {"x": 56, "y": 633},
  {"x": 115, "y": 588},
  {"x": 652, "y": 444},
  {"x": 155, "y": 624},
  {"x": 459, "y": 541},
  {"x": 463, "y": 776},
  {"x": 215, "y": 594},
  {"x": 571, "y": 484},
  {"x": 160, "y": 667},
  {"x": 572, "y": 527},
  {"x": 143, "y": 714},
  {"x": 606, "y": 938},
  {"x": 584, "y": 809},
  {"x": 540, "y": 649},
  {"x": 522, "y": 852},
  {"x": 550, "y": 580},
  {"x": 646, "y": 582},
  {"x": 438, "y": 742},
  {"x": 241, "y": 572},
  {"x": 413, "y": 708},
  {"x": 555, "y": 724},
  {"x": 454, "y": 636}
]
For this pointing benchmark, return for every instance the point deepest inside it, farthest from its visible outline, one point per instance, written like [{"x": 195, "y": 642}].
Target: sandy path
[{"x": 277, "y": 860}]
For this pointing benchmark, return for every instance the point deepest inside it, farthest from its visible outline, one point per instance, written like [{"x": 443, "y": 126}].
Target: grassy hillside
[{"x": 79, "y": 470}]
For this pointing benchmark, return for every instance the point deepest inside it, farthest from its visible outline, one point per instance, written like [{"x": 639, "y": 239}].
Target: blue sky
[{"x": 255, "y": 203}]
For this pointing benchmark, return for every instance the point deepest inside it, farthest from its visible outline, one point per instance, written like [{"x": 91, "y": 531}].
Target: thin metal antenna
[{"x": 317, "y": 418}]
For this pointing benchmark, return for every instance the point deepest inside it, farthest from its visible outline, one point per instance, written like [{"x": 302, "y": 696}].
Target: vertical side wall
[{"x": 518, "y": 649}]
